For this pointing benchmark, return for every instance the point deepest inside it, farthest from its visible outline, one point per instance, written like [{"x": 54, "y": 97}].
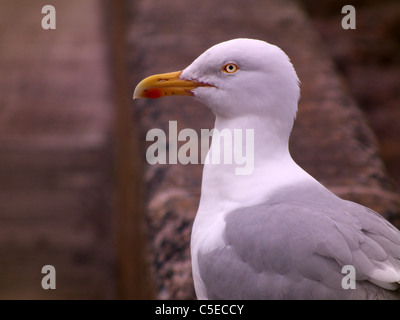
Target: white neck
[{"x": 224, "y": 190}]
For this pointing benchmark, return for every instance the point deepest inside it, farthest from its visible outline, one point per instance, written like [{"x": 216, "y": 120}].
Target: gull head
[{"x": 235, "y": 78}]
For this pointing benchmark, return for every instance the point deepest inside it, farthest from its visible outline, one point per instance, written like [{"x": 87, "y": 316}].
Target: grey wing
[
  {"x": 297, "y": 251},
  {"x": 376, "y": 248}
]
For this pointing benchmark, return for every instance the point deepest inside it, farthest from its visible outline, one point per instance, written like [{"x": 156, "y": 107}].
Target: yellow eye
[{"x": 230, "y": 68}]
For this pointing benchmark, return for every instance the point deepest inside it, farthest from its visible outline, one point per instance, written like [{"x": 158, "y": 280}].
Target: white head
[
  {"x": 240, "y": 77},
  {"x": 249, "y": 77}
]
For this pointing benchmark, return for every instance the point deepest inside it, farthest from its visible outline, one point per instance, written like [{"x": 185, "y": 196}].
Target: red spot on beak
[{"x": 152, "y": 93}]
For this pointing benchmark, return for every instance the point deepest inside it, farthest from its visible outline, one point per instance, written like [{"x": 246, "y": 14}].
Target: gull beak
[{"x": 166, "y": 84}]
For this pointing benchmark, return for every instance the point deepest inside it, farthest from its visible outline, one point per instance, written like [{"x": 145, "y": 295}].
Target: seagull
[{"x": 276, "y": 233}]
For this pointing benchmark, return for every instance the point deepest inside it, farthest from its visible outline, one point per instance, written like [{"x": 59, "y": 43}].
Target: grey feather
[{"x": 294, "y": 246}]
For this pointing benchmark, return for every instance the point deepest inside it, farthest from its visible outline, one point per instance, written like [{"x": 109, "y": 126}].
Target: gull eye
[{"x": 230, "y": 68}]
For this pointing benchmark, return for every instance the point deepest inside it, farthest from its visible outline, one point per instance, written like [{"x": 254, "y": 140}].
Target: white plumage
[{"x": 276, "y": 233}]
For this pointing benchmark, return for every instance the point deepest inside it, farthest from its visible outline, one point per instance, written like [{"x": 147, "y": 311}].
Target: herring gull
[{"x": 276, "y": 233}]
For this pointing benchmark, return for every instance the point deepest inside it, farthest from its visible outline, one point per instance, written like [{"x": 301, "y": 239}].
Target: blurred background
[
  {"x": 74, "y": 190},
  {"x": 369, "y": 59}
]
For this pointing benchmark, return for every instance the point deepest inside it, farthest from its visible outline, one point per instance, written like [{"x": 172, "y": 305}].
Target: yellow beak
[{"x": 166, "y": 84}]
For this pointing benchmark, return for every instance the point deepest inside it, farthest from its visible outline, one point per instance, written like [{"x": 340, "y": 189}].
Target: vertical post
[{"x": 134, "y": 277}]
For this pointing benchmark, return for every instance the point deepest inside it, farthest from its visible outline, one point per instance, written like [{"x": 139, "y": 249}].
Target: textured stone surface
[
  {"x": 331, "y": 139},
  {"x": 369, "y": 58}
]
